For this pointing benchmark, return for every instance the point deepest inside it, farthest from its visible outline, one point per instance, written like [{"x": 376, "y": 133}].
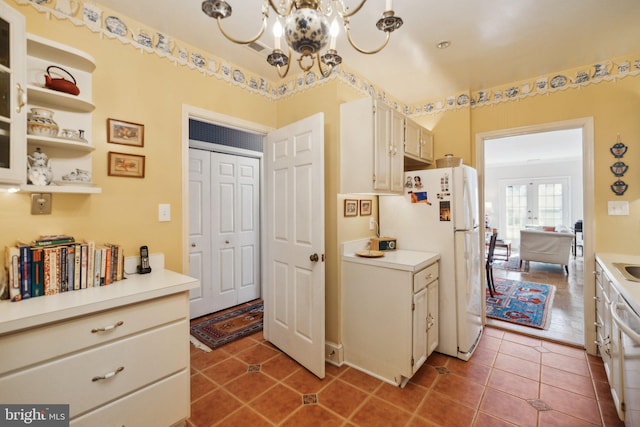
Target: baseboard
[{"x": 333, "y": 353}]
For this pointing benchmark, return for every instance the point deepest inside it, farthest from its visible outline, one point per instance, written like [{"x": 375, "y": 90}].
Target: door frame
[
  {"x": 191, "y": 112},
  {"x": 588, "y": 204}
]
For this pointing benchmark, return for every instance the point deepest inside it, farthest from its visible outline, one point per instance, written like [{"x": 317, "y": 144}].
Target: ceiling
[
  {"x": 534, "y": 148},
  {"x": 493, "y": 42}
]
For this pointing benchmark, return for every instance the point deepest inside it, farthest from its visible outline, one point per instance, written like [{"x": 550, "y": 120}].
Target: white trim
[{"x": 587, "y": 126}]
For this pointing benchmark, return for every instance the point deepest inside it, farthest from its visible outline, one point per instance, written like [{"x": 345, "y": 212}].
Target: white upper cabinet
[
  {"x": 12, "y": 97},
  {"x": 418, "y": 144}
]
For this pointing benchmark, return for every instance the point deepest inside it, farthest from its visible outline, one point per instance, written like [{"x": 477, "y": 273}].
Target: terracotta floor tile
[
  {"x": 558, "y": 419},
  {"x": 212, "y": 408},
  {"x": 425, "y": 376},
  {"x": 201, "y": 385},
  {"x": 201, "y": 360},
  {"x": 361, "y": 380},
  {"x": 509, "y": 408},
  {"x": 235, "y": 347},
  {"x": 490, "y": 343},
  {"x": 569, "y": 403},
  {"x": 567, "y": 363},
  {"x": 248, "y": 386},
  {"x": 341, "y": 398},
  {"x": 244, "y": 417},
  {"x": 417, "y": 421},
  {"x": 407, "y": 398},
  {"x": 520, "y": 351},
  {"x": 439, "y": 409},
  {"x": 312, "y": 416},
  {"x": 280, "y": 366},
  {"x": 376, "y": 412},
  {"x": 470, "y": 370},
  {"x": 279, "y": 403},
  {"x": 486, "y": 420},
  {"x": 568, "y": 381},
  {"x": 257, "y": 354},
  {"x": 578, "y": 353},
  {"x": 330, "y": 369},
  {"x": 437, "y": 359},
  {"x": 485, "y": 356},
  {"x": 226, "y": 371},
  {"x": 522, "y": 339},
  {"x": 460, "y": 390},
  {"x": 305, "y": 382},
  {"x": 518, "y": 386},
  {"x": 517, "y": 366}
]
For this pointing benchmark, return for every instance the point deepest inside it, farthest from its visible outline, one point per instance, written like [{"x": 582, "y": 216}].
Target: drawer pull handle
[
  {"x": 108, "y": 375},
  {"x": 107, "y": 328}
]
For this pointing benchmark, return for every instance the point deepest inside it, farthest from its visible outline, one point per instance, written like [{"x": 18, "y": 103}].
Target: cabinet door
[
  {"x": 412, "y": 138},
  {"x": 13, "y": 125},
  {"x": 396, "y": 155},
  {"x": 426, "y": 145},
  {"x": 419, "y": 329},
  {"x": 432, "y": 317},
  {"x": 383, "y": 148}
]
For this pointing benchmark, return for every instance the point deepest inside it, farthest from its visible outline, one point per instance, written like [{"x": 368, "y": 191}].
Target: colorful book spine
[
  {"x": 62, "y": 267},
  {"x": 120, "y": 269},
  {"x": 71, "y": 265},
  {"x": 53, "y": 271},
  {"x": 37, "y": 272},
  {"x": 107, "y": 273},
  {"x": 25, "y": 271},
  {"x": 97, "y": 265},
  {"x": 76, "y": 268},
  {"x": 91, "y": 253},
  {"x": 53, "y": 241},
  {"x": 84, "y": 262},
  {"x": 103, "y": 266},
  {"x": 12, "y": 263}
]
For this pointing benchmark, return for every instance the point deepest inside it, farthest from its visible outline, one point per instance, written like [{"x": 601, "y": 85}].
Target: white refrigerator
[{"x": 439, "y": 213}]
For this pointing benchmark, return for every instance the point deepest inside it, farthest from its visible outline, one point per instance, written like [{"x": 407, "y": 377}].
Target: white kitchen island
[
  {"x": 117, "y": 354},
  {"x": 389, "y": 311}
]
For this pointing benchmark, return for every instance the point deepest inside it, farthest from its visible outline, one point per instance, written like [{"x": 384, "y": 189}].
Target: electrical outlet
[
  {"x": 164, "y": 212},
  {"x": 40, "y": 203},
  {"x": 372, "y": 223}
]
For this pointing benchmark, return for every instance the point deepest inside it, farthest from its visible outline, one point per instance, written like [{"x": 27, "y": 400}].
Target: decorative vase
[
  {"x": 40, "y": 122},
  {"x": 39, "y": 168}
]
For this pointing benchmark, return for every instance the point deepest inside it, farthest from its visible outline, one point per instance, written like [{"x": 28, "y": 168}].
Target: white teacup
[
  {"x": 92, "y": 14},
  {"x": 142, "y": 38},
  {"x": 164, "y": 43},
  {"x": 68, "y": 7}
]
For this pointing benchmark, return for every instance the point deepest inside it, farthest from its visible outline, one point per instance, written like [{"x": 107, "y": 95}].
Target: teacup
[
  {"x": 164, "y": 43},
  {"x": 142, "y": 38},
  {"x": 68, "y": 7},
  {"x": 92, "y": 14},
  {"x": 70, "y": 134},
  {"x": 601, "y": 70},
  {"x": 541, "y": 83}
]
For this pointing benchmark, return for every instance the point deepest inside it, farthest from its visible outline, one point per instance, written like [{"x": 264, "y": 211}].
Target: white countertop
[
  {"x": 136, "y": 288},
  {"x": 630, "y": 290},
  {"x": 399, "y": 259}
]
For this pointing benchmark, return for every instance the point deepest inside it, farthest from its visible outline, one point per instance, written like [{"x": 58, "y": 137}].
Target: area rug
[
  {"x": 229, "y": 326},
  {"x": 512, "y": 264},
  {"x": 522, "y": 303}
]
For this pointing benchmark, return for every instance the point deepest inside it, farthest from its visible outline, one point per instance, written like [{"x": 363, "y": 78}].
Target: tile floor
[
  {"x": 567, "y": 313},
  {"x": 511, "y": 380}
]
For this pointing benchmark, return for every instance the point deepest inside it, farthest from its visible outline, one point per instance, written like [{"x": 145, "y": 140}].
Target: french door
[{"x": 533, "y": 202}]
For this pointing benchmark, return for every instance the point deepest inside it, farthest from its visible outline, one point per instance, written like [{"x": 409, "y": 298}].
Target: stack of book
[{"x": 55, "y": 264}]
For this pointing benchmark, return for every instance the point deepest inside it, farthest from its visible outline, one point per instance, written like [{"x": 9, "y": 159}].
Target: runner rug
[
  {"x": 228, "y": 326},
  {"x": 522, "y": 303}
]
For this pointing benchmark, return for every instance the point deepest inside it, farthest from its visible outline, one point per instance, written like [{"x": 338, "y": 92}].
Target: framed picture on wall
[
  {"x": 127, "y": 165},
  {"x": 365, "y": 207},
  {"x": 125, "y": 133},
  {"x": 350, "y": 207}
]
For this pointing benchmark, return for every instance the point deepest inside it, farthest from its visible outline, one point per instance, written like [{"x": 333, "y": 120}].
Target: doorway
[{"x": 568, "y": 195}]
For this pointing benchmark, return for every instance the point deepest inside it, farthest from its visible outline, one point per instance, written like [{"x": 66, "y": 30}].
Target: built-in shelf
[
  {"x": 43, "y": 141},
  {"x": 56, "y": 52},
  {"x": 59, "y": 100},
  {"x": 53, "y": 188}
]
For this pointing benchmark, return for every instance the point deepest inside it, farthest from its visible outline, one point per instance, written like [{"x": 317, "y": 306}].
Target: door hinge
[
  {"x": 322, "y": 257},
  {"x": 374, "y": 178},
  {"x": 413, "y": 306},
  {"x": 413, "y": 362}
]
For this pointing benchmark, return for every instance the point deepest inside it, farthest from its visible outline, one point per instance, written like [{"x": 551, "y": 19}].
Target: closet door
[{"x": 235, "y": 229}]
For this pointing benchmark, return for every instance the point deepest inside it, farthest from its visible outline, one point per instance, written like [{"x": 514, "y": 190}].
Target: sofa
[{"x": 546, "y": 246}]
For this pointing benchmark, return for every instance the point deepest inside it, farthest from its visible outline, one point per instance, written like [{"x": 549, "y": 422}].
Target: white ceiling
[{"x": 493, "y": 42}]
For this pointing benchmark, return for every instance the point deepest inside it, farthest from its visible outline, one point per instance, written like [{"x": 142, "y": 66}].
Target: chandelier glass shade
[{"x": 306, "y": 30}]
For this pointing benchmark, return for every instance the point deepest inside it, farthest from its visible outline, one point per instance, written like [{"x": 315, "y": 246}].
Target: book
[
  {"x": 25, "y": 271},
  {"x": 91, "y": 252},
  {"x": 53, "y": 240},
  {"x": 120, "y": 266},
  {"x": 84, "y": 262},
  {"x": 76, "y": 267},
  {"x": 63, "y": 268},
  {"x": 97, "y": 266},
  {"x": 108, "y": 264},
  {"x": 71, "y": 266},
  {"x": 103, "y": 266},
  {"x": 12, "y": 264},
  {"x": 37, "y": 272}
]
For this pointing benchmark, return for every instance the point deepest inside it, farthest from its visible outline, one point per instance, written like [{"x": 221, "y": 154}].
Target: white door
[
  {"x": 294, "y": 261},
  {"x": 225, "y": 235}
]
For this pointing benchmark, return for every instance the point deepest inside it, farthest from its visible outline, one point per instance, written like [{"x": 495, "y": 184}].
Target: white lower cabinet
[
  {"x": 389, "y": 319},
  {"x": 121, "y": 360}
]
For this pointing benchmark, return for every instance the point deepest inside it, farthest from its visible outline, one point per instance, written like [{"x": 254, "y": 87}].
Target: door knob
[
  {"x": 193, "y": 245},
  {"x": 314, "y": 258}
]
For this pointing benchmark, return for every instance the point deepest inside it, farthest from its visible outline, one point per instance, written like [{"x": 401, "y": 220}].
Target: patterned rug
[
  {"x": 512, "y": 264},
  {"x": 229, "y": 326},
  {"x": 522, "y": 303}
]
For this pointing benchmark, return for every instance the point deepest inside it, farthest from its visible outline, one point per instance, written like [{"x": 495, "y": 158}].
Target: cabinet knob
[{"x": 193, "y": 245}]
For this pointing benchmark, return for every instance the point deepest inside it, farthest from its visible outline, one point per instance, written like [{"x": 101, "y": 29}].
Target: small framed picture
[
  {"x": 365, "y": 207},
  {"x": 128, "y": 165},
  {"x": 350, "y": 207},
  {"x": 125, "y": 133}
]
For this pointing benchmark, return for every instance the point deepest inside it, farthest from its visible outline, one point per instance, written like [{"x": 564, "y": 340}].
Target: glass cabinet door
[{"x": 12, "y": 96}]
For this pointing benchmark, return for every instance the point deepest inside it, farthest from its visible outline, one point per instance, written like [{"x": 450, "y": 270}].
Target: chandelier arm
[
  {"x": 234, "y": 40},
  {"x": 345, "y": 14},
  {"x": 307, "y": 67},
  {"x": 276, "y": 10},
  {"x": 286, "y": 71},
  {"x": 367, "y": 52},
  {"x": 320, "y": 65}
]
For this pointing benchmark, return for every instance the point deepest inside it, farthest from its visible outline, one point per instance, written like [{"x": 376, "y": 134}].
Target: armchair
[{"x": 546, "y": 246}]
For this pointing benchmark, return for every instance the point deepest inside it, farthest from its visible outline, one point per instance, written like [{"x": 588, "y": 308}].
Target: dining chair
[{"x": 489, "y": 263}]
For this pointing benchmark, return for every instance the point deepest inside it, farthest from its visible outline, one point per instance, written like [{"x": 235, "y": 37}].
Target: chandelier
[{"x": 306, "y": 30}]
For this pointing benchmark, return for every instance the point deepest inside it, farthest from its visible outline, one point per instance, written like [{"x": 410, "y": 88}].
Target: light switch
[
  {"x": 164, "y": 212},
  {"x": 40, "y": 203},
  {"x": 618, "y": 208}
]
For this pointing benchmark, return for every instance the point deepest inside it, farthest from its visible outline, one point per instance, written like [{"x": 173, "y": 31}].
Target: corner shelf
[
  {"x": 60, "y": 100},
  {"x": 44, "y": 141},
  {"x": 53, "y": 188},
  {"x": 56, "y": 52}
]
